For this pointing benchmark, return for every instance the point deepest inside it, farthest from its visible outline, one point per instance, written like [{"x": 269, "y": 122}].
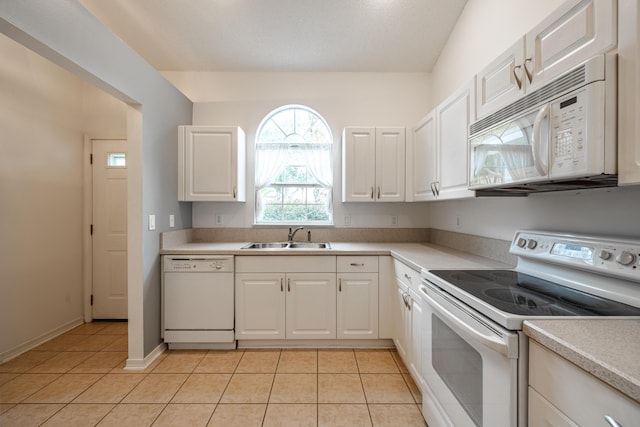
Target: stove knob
[
  {"x": 521, "y": 242},
  {"x": 625, "y": 258},
  {"x": 531, "y": 244},
  {"x": 605, "y": 255}
]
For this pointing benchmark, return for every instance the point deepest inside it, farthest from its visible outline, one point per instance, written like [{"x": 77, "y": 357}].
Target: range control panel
[
  {"x": 604, "y": 255},
  {"x": 195, "y": 264}
]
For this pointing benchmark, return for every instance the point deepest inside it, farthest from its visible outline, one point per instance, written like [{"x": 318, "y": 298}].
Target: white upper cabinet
[
  {"x": 453, "y": 117},
  {"x": 439, "y": 154},
  {"x": 373, "y": 164},
  {"x": 629, "y": 96},
  {"x": 211, "y": 164},
  {"x": 423, "y": 159},
  {"x": 573, "y": 33}
]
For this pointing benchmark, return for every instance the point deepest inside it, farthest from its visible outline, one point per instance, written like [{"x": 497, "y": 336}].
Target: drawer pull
[
  {"x": 339, "y": 285},
  {"x": 289, "y": 285},
  {"x": 281, "y": 284},
  {"x": 612, "y": 422},
  {"x": 357, "y": 264},
  {"x": 406, "y": 276}
]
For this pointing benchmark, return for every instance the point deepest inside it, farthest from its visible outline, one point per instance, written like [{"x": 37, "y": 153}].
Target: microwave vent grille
[{"x": 545, "y": 93}]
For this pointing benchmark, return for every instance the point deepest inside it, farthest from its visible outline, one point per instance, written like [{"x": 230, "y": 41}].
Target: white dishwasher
[{"x": 198, "y": 301}]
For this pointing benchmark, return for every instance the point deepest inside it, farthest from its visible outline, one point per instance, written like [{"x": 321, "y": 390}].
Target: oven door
[{"x": 469, "y": 364}]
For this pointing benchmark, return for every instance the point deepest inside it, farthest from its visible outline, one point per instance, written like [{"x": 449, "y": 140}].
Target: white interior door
[{"x": 109, "y": 224}]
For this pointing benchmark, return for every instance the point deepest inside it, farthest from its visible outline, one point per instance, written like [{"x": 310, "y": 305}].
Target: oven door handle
[{"x": 464, "y": 329}]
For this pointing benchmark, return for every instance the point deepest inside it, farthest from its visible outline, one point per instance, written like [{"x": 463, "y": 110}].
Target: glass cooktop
[{"x": 522, "y": 294}]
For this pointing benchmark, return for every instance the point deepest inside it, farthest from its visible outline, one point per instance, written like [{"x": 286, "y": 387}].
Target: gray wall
[{"x": 67, "y": 34}]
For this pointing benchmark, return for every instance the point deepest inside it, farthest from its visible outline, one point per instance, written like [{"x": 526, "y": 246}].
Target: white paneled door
[{"x": 109, "y": 229}]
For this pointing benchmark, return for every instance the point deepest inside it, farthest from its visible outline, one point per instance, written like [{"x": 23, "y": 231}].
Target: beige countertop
[
  {"x": 416, "y": 255},
  {"x": 609, "y": 349}
]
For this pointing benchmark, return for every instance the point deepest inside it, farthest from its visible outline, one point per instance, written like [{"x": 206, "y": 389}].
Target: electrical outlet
[
  {"x": 219, "y": 219},
  {"x": 152, "y": 222},
  {"x": 394, "y": 220},
  {"x": 172, "y": 221},
  {"x": 347, "y": 220}
]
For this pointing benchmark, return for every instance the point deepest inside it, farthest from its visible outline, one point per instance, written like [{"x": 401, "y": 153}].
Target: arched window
[{"x": 294, "y": 168}]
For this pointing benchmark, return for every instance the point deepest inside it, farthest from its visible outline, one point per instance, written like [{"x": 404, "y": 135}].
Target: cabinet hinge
[{"x": 91, "y": 299}]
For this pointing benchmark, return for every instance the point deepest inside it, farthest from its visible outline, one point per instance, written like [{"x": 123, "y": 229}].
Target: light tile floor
[{"x": 77, "y": 379}]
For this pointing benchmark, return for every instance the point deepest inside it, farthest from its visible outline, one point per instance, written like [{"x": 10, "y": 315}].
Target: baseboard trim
[
  {"x": 142, "y": 364},
  {"x": 320, "y": 344},
  {"x": 33, "y": 343}
]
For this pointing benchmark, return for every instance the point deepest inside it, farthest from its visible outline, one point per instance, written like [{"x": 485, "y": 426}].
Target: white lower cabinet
[
  {"x": 357, "y": 297},
  {"x": 408, "y": 327},
  {"x": 285, "y": 297},
  {"x": 260, "y": 306},
  {"x": 311, "y": 306},
  {"x": 562, "y": 394}
]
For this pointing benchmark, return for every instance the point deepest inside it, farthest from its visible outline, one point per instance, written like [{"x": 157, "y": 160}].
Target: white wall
[
  {"x": 484, "y": 30},
  {"x": 44, "y": 113},
  {"x": 344, "y": 99}
]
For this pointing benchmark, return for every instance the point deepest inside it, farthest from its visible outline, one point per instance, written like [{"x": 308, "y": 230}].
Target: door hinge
[
  {"x": 91, "y": 229},
  {"x": 91, "y": 299}
]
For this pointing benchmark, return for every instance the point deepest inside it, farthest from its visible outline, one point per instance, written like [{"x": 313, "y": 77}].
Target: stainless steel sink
[
  {"x": 287, "y": 245},
  {"x": 311, "y": 245}
]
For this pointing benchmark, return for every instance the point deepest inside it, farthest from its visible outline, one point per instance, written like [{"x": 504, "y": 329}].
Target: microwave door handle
[
  {"x": 536, "y": 143},
  {"x": 464, "y": 329}
]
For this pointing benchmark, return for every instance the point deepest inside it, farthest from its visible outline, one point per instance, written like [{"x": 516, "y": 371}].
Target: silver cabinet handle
[
  {"x": 288, "y": 285},
  {"x": 515, "y": 75},
  {"x": 281, "y": 284},
  {"x": 372, "y": 193},
  {"x": 357, "y": 264},
  {"x": 339, "y": 285},
  {"x": 527, "y": 70},
  {"x": 433, "y": 189},
  {"x": 378, "y": 193},
  {"x": 234, "y": 192},
  {"x": 435, "y": 185},
  {"x": 406, "y": 276},
  {"x": 612, "y": 422}
]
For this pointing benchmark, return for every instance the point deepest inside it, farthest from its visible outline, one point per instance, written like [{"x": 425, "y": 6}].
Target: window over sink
[{"x": 294, "y": 168}]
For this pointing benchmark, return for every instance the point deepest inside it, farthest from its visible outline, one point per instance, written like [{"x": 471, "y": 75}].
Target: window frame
[{"x": 325, "y": 146}]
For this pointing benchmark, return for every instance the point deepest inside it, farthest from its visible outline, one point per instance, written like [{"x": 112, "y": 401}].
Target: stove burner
[{"x": 518, "y": 297}]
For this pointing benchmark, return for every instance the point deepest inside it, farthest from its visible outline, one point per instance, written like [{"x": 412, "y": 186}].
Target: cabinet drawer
[
  {"x": 357, "y": 264},
  {"x": 576, "y": 393},
  {"x": 285, "y": 263},
  {"x": 406, "y": 274}
]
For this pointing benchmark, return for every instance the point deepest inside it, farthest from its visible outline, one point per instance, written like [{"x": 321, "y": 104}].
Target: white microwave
[{"x": 559, "y": 137}]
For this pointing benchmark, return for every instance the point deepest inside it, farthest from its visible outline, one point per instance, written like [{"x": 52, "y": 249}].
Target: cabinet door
[
  {"x": 311, "y": 305},
  {"x": 542, "y": 413},
  {"x": 576, "y": 31},
  {"x": 357, "y": 302},
  {"x": 402, "y": 323},
  {"x": 260, "y": 306},
  {"x": 358, "y": 164},
  {"x": 424, "y": 159},
  {"x": 629, "y": 98},
  {"x": 453, "y": 117},
  {"x": 209, "y": 160},
  {"x": 415, "y": 364},
  {"x": 502, "y": 81},
  {"x": 390, "y": 161}
]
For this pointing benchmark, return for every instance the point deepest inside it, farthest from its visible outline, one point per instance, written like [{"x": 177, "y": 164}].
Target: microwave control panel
[{"x": 576, "y": 131}]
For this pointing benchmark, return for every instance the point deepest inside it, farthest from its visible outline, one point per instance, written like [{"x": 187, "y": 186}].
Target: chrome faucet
[{"x": 293, "y": 233}]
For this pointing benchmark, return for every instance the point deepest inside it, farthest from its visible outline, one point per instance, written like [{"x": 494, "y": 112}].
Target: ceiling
[{"x": 283, "y": 35}]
